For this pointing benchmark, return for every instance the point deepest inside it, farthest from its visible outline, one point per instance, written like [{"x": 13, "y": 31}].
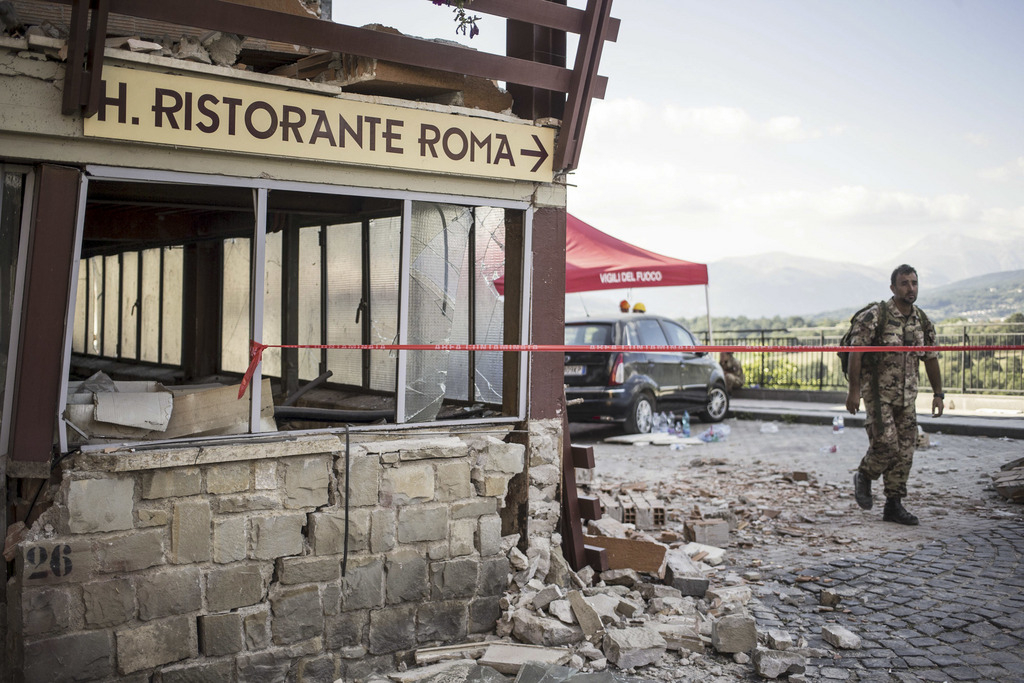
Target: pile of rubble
[{"x": 670, "y": 626}]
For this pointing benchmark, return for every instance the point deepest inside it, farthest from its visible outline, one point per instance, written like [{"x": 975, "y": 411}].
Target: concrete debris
[
  {"x": 740, "y": 595},
  {"x": 586, "y": 616},
  {"x": 1009, "y": 482},
  {"x": 734, "y": 633},
  {"x": 679, "y": 636},
  {"x": 685, "y": 575},
  {"x": 621, "y": 577},
  {"x": 547, "y": 595},
  {"x": 223, "y": 48},
  {"x": 190, "y": 49},
  {"x": 457, "y": 670},
  {"x": 840, "y": 637},
  {"x": 532, "y": 628},
  {"x": 628, "y": 648},
  {"x": 705, "y": 553},
  {"x": 562, "y": 610},
  {"x": 775, "y": 663},
  {"x": 714, "y": 532},
  {"x": 778, "y": 639},
  {"x": 829, "y": 597},
  {"x": 509, "y": 658}
]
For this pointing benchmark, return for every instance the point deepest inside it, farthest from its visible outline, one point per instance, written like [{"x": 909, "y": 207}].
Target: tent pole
[{"x": 707, "y": 307}]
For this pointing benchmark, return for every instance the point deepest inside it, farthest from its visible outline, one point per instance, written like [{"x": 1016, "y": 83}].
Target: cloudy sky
[{"x": 823, "y": 128}]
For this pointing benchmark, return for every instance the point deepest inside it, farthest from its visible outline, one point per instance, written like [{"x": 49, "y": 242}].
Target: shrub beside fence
[{"x": 967, "y": 372}]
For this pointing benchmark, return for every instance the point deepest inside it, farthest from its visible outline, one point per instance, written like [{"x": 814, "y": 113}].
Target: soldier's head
[
  {"x": 904, "y": 287},
  {"x": 901, "y": 270}
]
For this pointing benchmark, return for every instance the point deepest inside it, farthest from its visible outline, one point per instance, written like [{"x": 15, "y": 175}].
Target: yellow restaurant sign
[{"x": 193, "y": 112}]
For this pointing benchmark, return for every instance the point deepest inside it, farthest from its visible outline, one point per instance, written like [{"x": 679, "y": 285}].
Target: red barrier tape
[{"x": 256, "y": 350}]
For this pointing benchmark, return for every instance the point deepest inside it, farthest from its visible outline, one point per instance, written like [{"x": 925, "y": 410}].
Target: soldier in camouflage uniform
[{"x": 888, "y": 384}]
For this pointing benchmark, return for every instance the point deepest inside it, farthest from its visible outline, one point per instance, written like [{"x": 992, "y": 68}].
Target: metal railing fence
[{"x": 967, "y": 372}]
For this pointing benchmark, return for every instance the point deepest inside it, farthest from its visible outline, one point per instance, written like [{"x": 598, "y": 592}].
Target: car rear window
[{"x": 588, "y": 334}]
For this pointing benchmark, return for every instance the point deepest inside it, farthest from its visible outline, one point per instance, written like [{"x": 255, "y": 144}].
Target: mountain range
[{"x": 961, "y": 276}]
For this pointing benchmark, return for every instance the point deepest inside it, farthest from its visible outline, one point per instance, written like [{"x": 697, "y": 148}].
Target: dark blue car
[{"x": 630, "y": 387}]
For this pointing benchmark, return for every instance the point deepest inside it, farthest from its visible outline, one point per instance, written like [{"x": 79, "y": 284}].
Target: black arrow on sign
[{"x": 539, "y": 152}]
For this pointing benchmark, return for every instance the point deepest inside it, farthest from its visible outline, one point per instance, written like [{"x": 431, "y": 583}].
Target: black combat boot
[
  {"x": 862, "y": 490},
  {"x": 895, "y": 512}
]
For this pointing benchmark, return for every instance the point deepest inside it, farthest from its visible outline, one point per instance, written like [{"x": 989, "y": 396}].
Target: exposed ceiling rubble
[{"x": 352, "y": 73}]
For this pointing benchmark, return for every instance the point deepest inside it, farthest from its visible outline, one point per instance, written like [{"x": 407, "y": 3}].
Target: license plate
[{"x": 575, "y": 370}]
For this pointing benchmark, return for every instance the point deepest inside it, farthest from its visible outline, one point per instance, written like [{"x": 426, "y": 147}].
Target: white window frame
[{"x": 261, "y": 188}]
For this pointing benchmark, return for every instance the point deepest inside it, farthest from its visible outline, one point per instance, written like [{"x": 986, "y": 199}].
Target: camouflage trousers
[{"x": 892, "y": 435}]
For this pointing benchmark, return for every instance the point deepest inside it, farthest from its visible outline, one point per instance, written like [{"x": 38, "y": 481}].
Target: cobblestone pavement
[{"x": 952, "y": 610}]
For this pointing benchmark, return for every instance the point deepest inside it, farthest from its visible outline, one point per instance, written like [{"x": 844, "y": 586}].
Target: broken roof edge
[{"x": 171, "y": 64}]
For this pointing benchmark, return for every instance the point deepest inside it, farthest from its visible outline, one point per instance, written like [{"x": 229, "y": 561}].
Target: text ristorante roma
[{"x": 187, "y": 111}]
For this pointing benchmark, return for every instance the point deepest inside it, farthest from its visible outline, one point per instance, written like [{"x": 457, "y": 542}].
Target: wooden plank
[{"x": 627, "y": 553}]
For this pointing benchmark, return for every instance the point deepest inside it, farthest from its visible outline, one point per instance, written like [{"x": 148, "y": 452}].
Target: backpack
[{"x": 883, "y": 318}]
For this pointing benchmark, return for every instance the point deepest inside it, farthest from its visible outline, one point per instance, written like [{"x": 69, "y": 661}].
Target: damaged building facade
[{"x": 174, "y": 192}]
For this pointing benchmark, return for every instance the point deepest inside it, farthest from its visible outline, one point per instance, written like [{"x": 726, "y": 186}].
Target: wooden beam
[
  {"x": 254, "y": 22},
  {"x": 585, "y": 86},
  {"x": 590, "y": 507},
  {"x": 583, "y": 457}
]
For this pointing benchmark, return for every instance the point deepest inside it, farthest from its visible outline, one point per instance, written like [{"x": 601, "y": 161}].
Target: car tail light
[{"x": 618, "y": 375}]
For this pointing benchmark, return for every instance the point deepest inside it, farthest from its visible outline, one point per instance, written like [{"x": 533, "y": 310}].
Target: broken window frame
[
  {"x": 13, "y": 335},
  {"x": 261, "y": 189}
]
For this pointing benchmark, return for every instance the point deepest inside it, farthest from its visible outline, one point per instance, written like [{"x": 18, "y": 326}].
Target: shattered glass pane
[
  {"x": 272, "y": 304},
  {"x": 385, "y": 258},
  {"x": 344, "y": 292},
  {"x": 111, "y": 304},
  {"x": 309, "y": 301},
  {"x": 490, "y": 307},
  {"x": 95, "y": 305},
  {"x": 174, "y": 258},
  {"x": 150, "y": 305},
  {"x": 78, "y": 337},
  {"x": 129, "y": 309},
  {"x": 439, "y": 239}
]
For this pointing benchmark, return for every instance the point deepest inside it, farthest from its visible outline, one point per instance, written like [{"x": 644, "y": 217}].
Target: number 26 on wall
[{"x": 59, "y": 561}]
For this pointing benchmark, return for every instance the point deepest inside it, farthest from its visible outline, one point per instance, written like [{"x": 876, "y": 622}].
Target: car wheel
[
  {"x": 641, "y": 415},
  {"x": 717, "y": 405}
]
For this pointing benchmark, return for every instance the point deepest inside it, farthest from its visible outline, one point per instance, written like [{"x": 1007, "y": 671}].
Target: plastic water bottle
[
  {"x": 837, "y": 424},
  {"x": 663, "y": 423},
  {"x": 672, "y": 423},
  {"x": 686, "y": 423}
]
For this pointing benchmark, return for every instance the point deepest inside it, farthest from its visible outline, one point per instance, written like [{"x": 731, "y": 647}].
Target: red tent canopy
[{"x": 596, "y": 260}]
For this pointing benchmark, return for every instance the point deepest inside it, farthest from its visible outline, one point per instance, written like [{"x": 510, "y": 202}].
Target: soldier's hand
[
  {"x": 852, "y": 402},
  {"x": 937, "y": 407}
]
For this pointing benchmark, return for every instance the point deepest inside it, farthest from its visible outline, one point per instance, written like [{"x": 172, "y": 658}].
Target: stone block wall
[{"x": 229, "y": 563}]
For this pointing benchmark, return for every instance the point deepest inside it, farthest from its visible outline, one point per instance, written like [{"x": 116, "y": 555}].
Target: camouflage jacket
[{"x": 897, "y": 372}]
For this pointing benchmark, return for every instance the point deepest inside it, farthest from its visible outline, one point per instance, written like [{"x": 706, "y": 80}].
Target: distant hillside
[
  {"x": 986, "y": 297},
  {"x": 961, "y": 276},
  {"x": 952, "y": 258}
]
